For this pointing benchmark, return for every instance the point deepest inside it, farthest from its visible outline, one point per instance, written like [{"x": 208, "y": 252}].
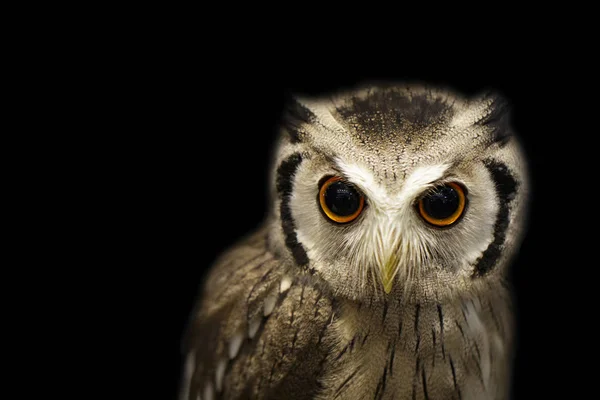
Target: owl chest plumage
[{"x": 397, "y": 350}]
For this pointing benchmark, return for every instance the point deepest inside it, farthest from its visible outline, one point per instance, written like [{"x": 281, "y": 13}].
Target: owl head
[{"x": 398, "y": 190}]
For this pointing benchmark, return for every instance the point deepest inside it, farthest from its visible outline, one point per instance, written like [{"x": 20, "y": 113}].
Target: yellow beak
[{"x": 388, "y": 273}]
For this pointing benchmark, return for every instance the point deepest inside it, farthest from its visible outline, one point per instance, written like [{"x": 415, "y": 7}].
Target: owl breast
[{"x": 454, "y": 350}]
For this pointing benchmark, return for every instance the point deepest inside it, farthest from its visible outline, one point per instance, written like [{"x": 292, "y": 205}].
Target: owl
[{"x": 381, "y": 269}]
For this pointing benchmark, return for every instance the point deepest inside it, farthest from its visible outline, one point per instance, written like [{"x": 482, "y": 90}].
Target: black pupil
[
  {"x": 342, "y": 199},
  {"x": 441, "y": 203}
]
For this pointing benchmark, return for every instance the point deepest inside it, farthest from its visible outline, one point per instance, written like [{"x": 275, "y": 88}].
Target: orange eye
[
  {"x": 340, "y": 201},
  {"x": 443, "y": 205}
]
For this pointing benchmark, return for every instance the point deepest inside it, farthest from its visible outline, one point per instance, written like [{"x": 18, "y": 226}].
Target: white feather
[
  {"x": 235, "y": 344},
  {"x": 285, "y": 284},
  {"x": 269, "y": 304},
  {"x": 209, "y": 392},
  {"x": 219, "y": 374},
  {"x": 190, "y": 363},
  {"x": 253, "y": 326}
]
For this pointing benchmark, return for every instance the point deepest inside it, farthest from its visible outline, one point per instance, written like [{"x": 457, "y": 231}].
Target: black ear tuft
[
  {"x": 497, "y": 118},
  {"x": 295, "y": 114}
]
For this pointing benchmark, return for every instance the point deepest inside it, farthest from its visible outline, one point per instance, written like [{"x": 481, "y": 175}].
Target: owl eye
[
  {"x": 443, "y": 205},
  {"x": 340, "y": 201}
]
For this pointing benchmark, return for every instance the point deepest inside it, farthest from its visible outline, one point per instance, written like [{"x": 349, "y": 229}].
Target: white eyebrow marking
[
  {"x": 421, "y": 178},
  {"x": 364, "y": 179}
]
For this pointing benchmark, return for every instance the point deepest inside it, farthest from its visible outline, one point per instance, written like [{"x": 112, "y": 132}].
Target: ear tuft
[
  {"x": 496, "y": 117},
  {"x": 296, "y": 114}
]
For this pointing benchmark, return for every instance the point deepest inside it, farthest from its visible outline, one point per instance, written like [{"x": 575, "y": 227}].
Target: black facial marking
[
  {"x": 498, "y": 120},
  {"x": 506, "y": 188},
  {"x": 285, "y": 174}
]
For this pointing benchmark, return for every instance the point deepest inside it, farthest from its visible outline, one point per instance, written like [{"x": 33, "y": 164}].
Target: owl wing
[{"x": 256, "y": 332}]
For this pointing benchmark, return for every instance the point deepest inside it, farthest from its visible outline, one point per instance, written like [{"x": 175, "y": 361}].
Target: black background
[{"x": 201, "y": 172}]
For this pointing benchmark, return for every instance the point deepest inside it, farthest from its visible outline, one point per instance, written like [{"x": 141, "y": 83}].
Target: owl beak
[{"x": 388, "y": 273}]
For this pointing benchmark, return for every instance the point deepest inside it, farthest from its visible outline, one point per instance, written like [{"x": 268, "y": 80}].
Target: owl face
[{"x": 398, "y": 190}]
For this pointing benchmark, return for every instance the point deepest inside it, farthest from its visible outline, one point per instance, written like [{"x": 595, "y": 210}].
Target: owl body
[{"x": 380, "y": 270}]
